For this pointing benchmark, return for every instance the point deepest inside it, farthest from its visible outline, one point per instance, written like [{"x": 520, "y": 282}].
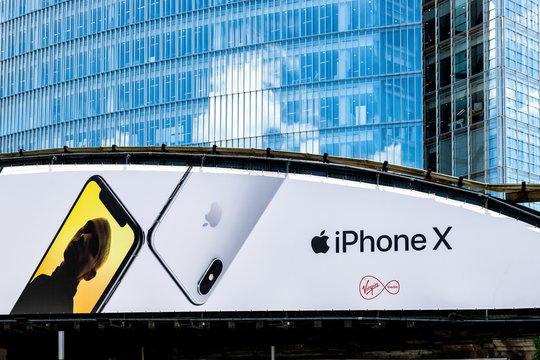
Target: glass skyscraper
[
  {"x": 336, "y": 76},
  {"x": 482, "y": 89}
]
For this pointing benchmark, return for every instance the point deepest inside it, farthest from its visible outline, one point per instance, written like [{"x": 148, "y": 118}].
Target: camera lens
[
  {"x": 203, "y": 287},
  {"x": 210, "y": 277},
  {"x": 217, "y": 266}
]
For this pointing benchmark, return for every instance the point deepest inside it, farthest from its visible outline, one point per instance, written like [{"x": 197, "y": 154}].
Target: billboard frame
[{"x": 212, "y": 158}]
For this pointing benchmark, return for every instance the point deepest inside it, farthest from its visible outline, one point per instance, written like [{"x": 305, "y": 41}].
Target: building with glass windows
[
  {"x": 482, "y": 83},
  {"x": 335, "y": 76}
]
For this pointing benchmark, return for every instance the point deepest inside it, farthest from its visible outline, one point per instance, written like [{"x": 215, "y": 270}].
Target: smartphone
[
  {"x": 205, "y": 222},
  {"x": 87, "y": 257}
]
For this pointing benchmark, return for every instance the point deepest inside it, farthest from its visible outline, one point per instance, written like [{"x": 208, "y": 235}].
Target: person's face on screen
[{"x": 82, "y": 252}]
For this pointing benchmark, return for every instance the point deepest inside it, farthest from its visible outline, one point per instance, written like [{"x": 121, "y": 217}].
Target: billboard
[{"x": 137, "y": 238}]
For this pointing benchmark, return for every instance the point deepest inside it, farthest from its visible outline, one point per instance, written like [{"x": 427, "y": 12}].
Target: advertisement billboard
[{"x": 138, "y": 238}]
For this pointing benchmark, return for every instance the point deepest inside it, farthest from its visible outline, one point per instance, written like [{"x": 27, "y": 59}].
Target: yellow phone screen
[{"x": 88, "y": 207}]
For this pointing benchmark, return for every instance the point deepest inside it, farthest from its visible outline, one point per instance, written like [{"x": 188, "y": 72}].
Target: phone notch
[
  {"x": 210, "y": 276},
  {"x": 114, "y": 206}
]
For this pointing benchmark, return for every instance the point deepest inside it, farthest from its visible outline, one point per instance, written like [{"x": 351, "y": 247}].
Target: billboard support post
[
  {"x": 61, "y": 343},
  {"x": 272, "y": 352}
]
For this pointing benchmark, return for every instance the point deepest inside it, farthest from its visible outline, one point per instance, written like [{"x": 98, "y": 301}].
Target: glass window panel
[
  {"x": 460, "y": 61},
  {"x": 460, "y": 18},
  {"x": 445, "y": 113},
  {"x": 445, "y": 156},
  {"x": 444, "y": 20},
  {"x": 460, "y": 109},
  {"x": 477, "y": 58},
  {"x": 445, "y": 73},
  {"x": 476, "y": 12},
  {"x": 460, "y": 154},
  {"x": 477, "y": 100}
]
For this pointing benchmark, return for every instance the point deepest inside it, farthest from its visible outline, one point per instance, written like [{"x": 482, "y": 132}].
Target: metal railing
[{"x": 517, "y": 193}]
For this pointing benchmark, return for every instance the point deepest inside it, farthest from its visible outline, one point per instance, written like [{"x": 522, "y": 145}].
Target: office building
[
  {"x": 341, "y": 77},
  {"x": 481, "y": 88}
]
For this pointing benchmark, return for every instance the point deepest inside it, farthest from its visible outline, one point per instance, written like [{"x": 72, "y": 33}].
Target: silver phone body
[{"x": 186, "y": 239}]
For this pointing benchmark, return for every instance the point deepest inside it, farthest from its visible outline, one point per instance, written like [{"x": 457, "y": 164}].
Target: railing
[{"x": 515, "y": 193}]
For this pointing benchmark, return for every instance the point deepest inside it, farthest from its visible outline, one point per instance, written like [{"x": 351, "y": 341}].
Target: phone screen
[{"x": 95, "y": 244}]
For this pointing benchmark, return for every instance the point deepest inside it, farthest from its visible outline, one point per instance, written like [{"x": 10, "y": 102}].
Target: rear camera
[{"x": 210, "y": 277}]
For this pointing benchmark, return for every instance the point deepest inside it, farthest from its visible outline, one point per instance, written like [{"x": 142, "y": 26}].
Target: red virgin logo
[{"x": 371, "y": 287}]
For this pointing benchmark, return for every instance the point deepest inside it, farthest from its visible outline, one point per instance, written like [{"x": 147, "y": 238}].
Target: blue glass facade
[
  {"x": 336, "y": 76},
  {"x": 520, "y": 88}
]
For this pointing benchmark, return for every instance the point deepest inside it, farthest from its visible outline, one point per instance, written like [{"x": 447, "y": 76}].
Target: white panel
[{"x": 269, "y": 237}]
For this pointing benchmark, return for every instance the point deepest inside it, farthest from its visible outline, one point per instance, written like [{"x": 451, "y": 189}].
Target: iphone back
[{"x": 205, "y": 223}]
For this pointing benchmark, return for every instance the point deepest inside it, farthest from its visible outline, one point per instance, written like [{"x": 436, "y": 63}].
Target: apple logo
[
  {"x": 214, "y": 215},
  {"x": 319, "y": 243}
]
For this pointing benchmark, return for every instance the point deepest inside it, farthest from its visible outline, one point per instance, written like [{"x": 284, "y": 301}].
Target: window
[
  {"x": 445, "y": 113},
  {"x": 431, "y": 161},
  {"x": 477, "y": 150},
  {"x": 477, "y": 99},
  {"x": 445, "y": 68},
  {"x": 476, "y": 12},
  {"x": 429, "y": 27},
  {"x": 460, "y": 18},
  {"x": 460, "y": 154},
  {"x": 431, "y": 117},
  {"x": 430, "y": 73},
  {"x": 460, "y": 61},
  {"x": 460, "y": 68},
  {"x": 460, "y": 109},
  {"x": 477, "y": 58},
  {"x": 445, "y": 156},
  {"x": 444, "y": 21}
]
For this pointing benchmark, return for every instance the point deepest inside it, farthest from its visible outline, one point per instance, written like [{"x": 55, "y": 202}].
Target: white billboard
[{"x": 109, "y": 239}]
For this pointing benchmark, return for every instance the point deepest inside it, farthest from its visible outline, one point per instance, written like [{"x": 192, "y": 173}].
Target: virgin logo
[{"x": 371, "y": 287}]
